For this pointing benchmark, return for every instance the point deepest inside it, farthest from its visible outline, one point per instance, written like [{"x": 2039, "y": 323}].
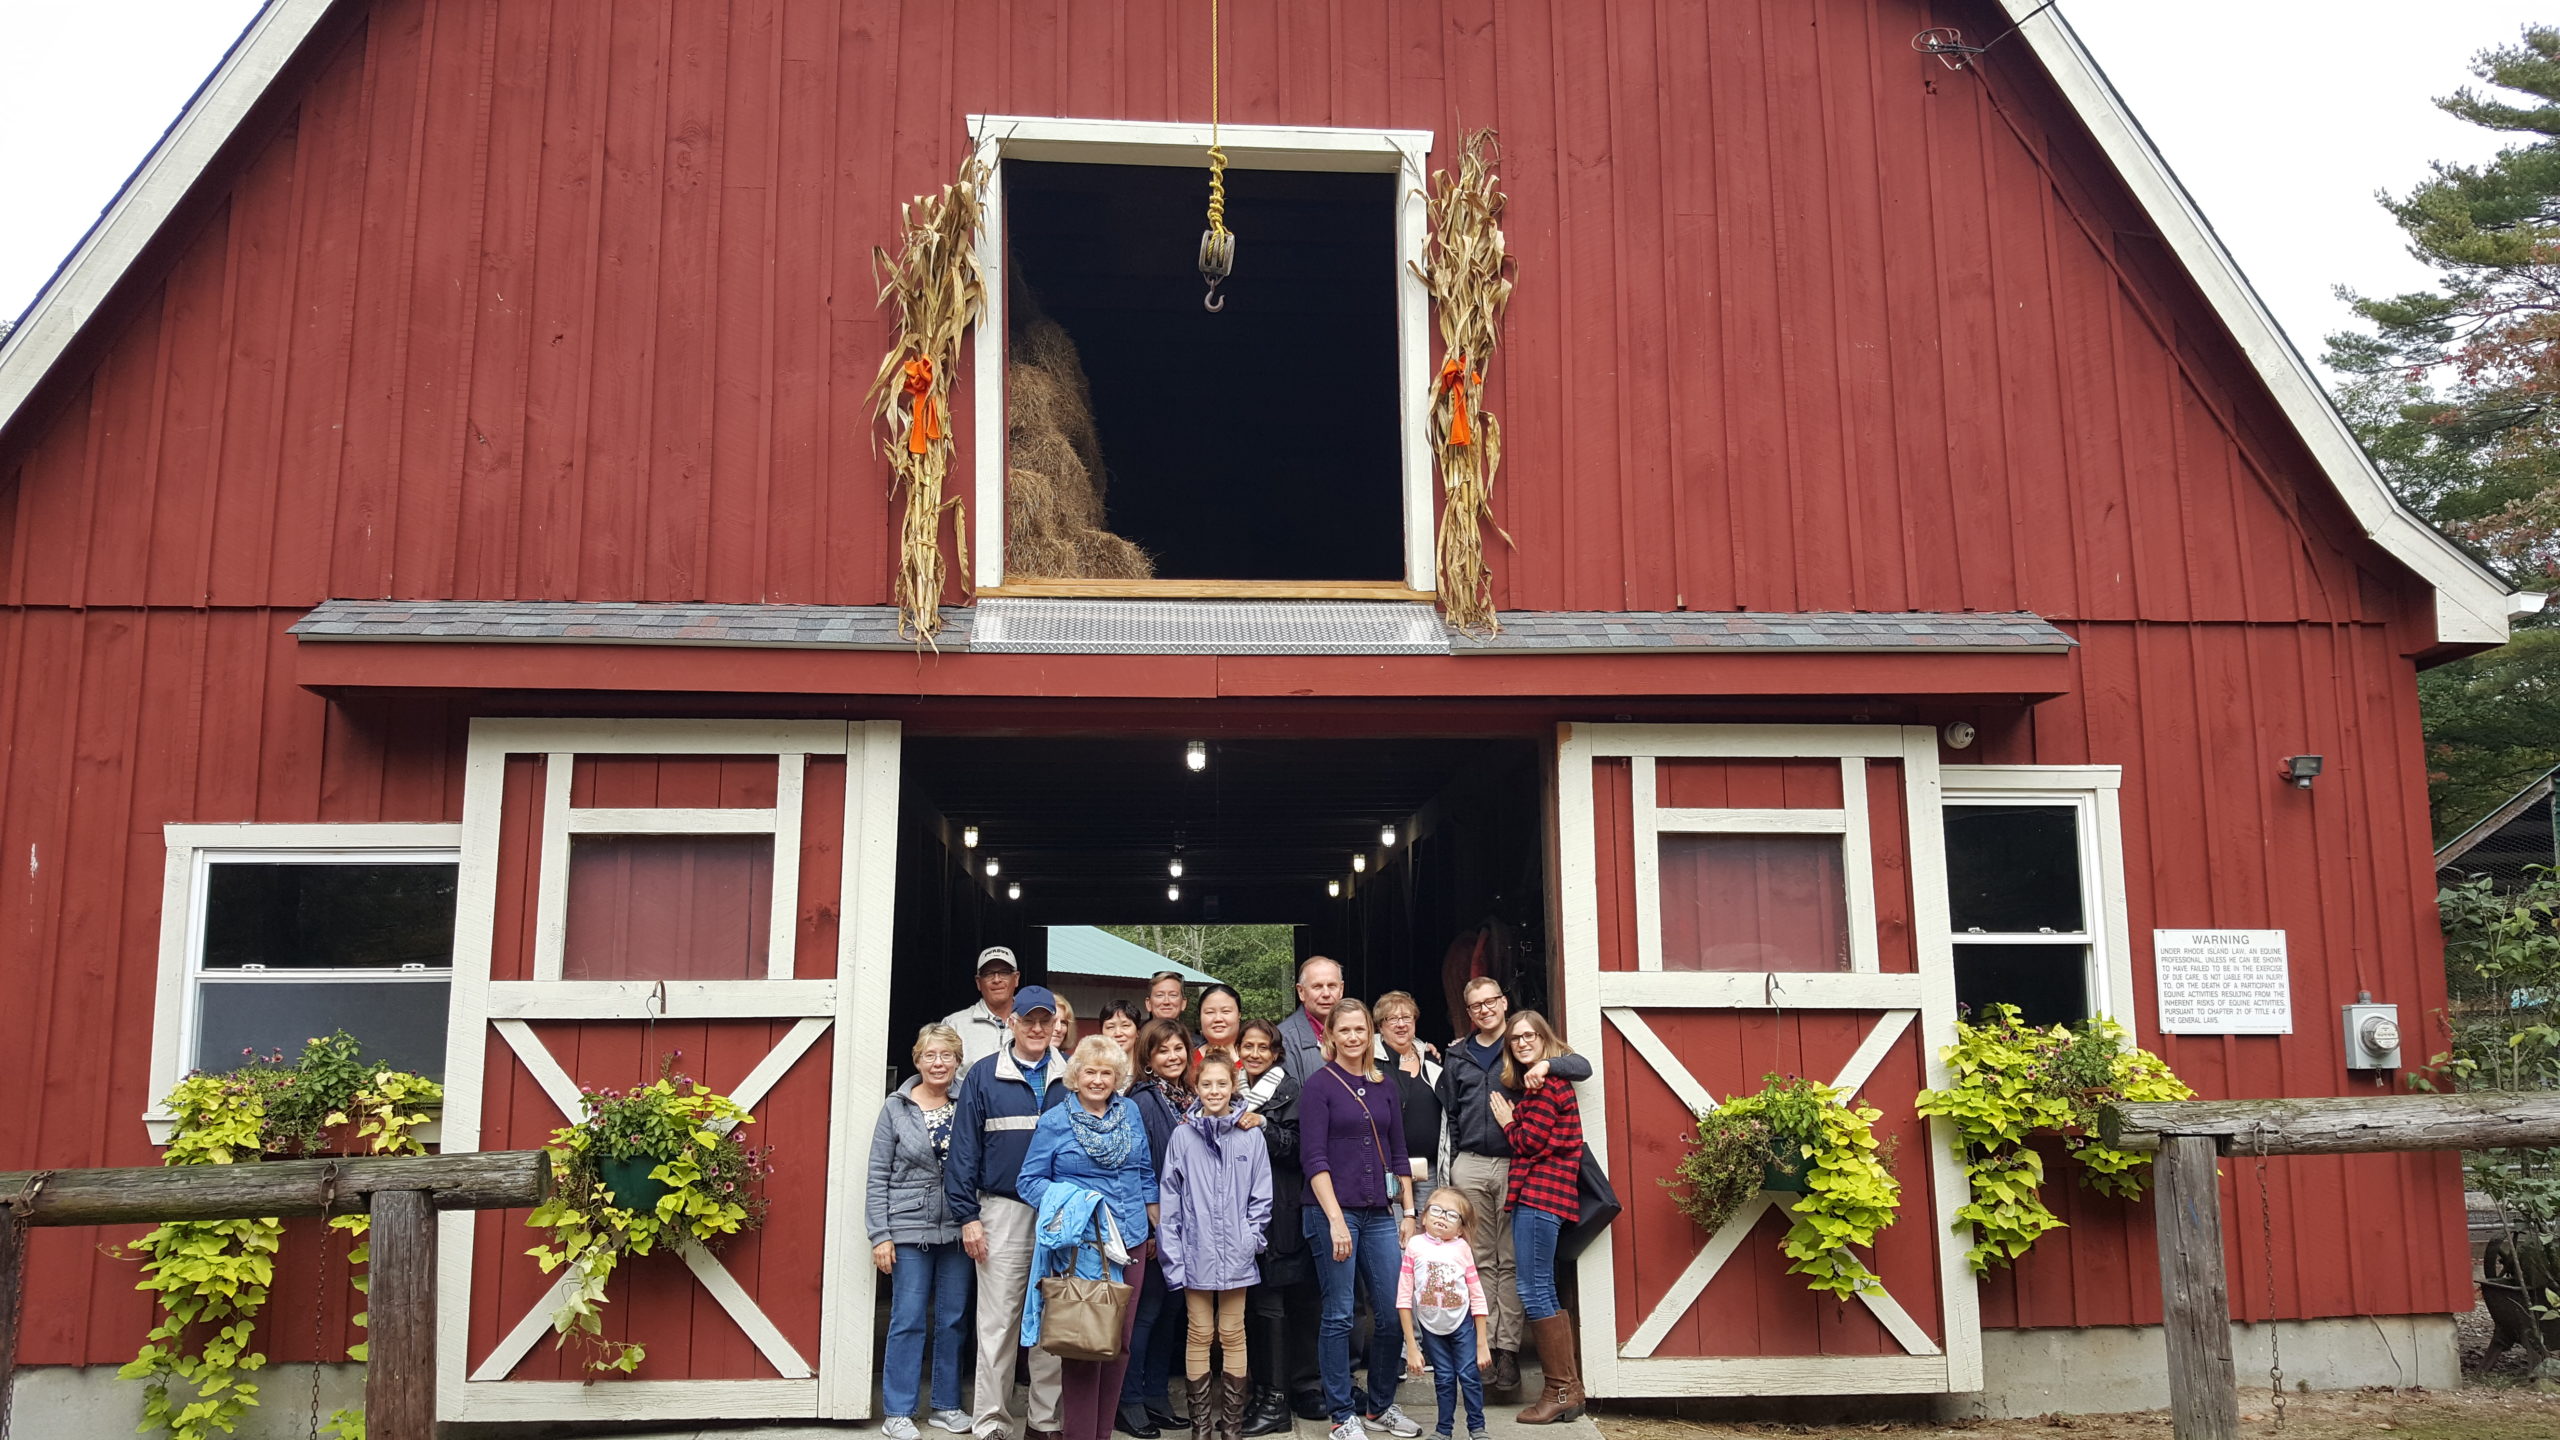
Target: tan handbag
[{"x": 1083, "y": 1319}]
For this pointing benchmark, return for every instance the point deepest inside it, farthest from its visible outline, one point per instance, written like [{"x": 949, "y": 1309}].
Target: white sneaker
[
  {"x": 1348, "y": 1430},
  {"x": 897, "y": 1427},
  {"x": 955, "y": 1421},
  {"x": 1394, "y": 1421}
]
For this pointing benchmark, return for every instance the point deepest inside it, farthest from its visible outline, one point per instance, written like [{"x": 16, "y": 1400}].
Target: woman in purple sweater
[{"x": 1357, "y": 1216}]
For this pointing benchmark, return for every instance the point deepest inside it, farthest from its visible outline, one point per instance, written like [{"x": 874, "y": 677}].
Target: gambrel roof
[{"x": 2473, "y": 606}]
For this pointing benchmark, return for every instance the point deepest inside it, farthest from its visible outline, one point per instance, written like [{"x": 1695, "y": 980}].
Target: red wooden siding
[{"x": 565, "y": 299}]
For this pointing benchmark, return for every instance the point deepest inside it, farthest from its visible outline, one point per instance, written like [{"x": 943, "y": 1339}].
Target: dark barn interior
[
  {"x": 1086, "y": 828},
  {"x": 1258, "y": 443}
]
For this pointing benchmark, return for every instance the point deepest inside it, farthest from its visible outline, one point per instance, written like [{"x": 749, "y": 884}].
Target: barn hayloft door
[
  {"x": 1740, "y": 901},
  {"x": 711, "y": 896}
]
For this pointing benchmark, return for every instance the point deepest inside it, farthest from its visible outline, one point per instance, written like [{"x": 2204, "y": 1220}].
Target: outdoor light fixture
[
  {"x": 1333, "y": 888},
  {"x": 2300, "y": 769},
  {"x": 991, "y": 867},
  {"x": 1173, "y": 867},
  {"x": 1013, "y": 891},
  {"x": 1359, "y": 863},
  {"x": 1386, "y": 835},
  {"x": 1173, "y": 892},
  {"x": 1196, "y": 754},
  {"x": 969, "y": 836}
]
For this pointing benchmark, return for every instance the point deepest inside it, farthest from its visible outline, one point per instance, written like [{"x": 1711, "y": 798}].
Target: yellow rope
[{"x": 1217, "y": 157}]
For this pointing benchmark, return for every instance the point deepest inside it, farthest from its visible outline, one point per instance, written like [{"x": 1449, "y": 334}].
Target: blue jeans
[
  {"x": 1452, "y": 1358},
  {"x": 1148, "y": 1375},
  {"x": 1375, "y": 1257},
  {"x": 1533, "y": 1251},
  {"x": 934, "y": 1280}
]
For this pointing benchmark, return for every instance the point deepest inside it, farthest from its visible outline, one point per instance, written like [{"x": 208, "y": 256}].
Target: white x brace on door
[
  {"x": 1787, "y": 880},
  {"x": 832, "y": 1378}
]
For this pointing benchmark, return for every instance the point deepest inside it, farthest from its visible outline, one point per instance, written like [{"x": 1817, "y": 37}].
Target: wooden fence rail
[
  {"x": 402, "y": 1193},
  {"x": 2191, "y": 1135}
]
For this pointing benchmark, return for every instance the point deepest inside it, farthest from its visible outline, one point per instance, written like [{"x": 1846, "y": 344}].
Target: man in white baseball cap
[{"x": 982, "y": 1025}]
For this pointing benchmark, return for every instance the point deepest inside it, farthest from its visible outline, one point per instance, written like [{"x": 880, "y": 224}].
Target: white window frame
[
  {"x": 1402, "y": 153},
  {"x": 2093, "y": 791},
  {"x": 192, "y": 852}
]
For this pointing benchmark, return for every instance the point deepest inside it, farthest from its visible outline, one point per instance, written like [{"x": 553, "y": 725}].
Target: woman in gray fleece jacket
[{"x": 914, "y": 1240}]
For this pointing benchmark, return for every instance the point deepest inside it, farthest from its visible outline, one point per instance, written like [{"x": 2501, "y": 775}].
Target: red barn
[{"x": 449, "y": 553}]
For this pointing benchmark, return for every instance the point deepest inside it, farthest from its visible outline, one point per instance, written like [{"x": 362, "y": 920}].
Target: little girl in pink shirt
[{"x": 1438, "y": 1288}]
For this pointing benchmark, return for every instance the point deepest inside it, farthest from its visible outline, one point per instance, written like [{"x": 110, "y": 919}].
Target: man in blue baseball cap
[{"x": 1000, "y": 1104}]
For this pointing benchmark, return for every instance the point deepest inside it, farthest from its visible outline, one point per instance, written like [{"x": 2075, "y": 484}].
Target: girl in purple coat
[{"x": 1217, "y": 1205}]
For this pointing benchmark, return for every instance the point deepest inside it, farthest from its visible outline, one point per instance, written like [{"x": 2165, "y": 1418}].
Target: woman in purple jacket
[
  {"x": 1358, "y": 1214},
  {"x": 1217, "y": 1205}
]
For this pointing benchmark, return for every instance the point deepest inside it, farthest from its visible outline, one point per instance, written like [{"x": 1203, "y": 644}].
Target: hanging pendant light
[
  {"x": 1173, "y": 892},
  {"x": 969, "y": 836},
  {"x": 991, "y": 867},
  {"x": 1333, "y": 888},
  {"x": 1013, "y": 891},
  {"x": 1387, "y": 836},
  {"x": 1359, "y": 862}
]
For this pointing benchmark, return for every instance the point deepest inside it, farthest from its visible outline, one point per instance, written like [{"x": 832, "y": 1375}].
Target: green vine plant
[
  {"x": 1796, "y": 1128},
  {"x": 210, "y": 1278},
  {"x": 652, "y": 1165},
  {"x": 2009, "y": 1081}
]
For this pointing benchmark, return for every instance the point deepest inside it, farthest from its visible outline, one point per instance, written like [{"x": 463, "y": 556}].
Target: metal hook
[{"x": 1213, "y": 302}]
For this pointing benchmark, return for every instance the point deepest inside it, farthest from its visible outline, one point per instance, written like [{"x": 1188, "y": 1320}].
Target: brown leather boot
[
  {"x": 1230, "y": 1399},
  {"x": 1202, "y": 1392},
  {"x": 1562, "y": 1399}
]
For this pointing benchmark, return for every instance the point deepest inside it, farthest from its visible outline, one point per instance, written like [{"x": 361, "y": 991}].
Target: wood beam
[
  {"x": 2341, "y": 1125},
  {"x": 2195, "y": 1296},
  {"x": 400, "y": 1368},
  {"x": 489, "y": 1180}
]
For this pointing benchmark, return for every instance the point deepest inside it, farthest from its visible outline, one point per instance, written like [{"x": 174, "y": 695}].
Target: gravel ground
[{"x": 2475, "y": 1412}]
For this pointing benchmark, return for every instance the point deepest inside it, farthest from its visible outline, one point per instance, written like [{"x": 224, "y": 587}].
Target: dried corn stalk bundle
[
  {"x": 1469, "y": 275},
  {"x": 934, "y": 286}
]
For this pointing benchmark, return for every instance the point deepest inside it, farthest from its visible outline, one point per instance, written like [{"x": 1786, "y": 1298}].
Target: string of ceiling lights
[{"x": 1195, "y": 758}]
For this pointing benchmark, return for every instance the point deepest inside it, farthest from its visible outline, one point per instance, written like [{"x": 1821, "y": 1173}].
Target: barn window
[
  {"x": 2034, "y": 892},
  {"x": 1148, "y": 447},
  {"x": 272, "y": 934}
]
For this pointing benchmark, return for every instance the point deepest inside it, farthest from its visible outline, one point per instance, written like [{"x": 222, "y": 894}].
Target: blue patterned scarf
[{"x": 1107, "y": 1138}]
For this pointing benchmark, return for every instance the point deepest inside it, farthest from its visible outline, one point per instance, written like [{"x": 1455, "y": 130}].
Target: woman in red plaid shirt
[{"x": 1544, "y": 1126}]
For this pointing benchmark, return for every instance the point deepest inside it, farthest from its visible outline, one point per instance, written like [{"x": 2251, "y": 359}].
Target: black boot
[
  {"x": 1134, "y": 1421},
  {"x": 1268, "y": 1412}
]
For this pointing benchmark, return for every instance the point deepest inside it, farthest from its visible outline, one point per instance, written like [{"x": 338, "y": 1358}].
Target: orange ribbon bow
[
  {"x": 1455, "y": 377},
  {"x": 926, "y": 424}
]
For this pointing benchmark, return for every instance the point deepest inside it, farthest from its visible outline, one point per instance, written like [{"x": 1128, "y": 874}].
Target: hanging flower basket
[{"x": 1795, "y": 1137}]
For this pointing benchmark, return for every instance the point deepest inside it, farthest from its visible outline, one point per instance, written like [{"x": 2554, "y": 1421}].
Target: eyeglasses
[
  {"x": 1444, "y": 1212},
  {"x": 1490, "y": 1002}
]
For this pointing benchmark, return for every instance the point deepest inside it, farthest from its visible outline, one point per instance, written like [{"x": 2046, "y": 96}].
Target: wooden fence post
[
  {"x": 2204, "y": 1398},
  {"x": 400, "y": 1369},
  {"x": 13, "y": 1294}
]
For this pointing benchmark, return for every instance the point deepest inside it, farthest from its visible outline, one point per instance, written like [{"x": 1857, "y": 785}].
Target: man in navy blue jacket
[{"x": 1000, "y": 1104}]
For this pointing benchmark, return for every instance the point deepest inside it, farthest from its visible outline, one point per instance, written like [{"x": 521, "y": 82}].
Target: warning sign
[{"x": 2223, "y": 982}]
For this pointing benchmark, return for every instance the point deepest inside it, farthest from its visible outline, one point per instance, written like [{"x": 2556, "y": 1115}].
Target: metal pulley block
[{"x": 1217, "y": 262}]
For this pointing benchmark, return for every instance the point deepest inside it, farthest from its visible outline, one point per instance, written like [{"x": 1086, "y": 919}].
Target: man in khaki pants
[
  {"x": 1480, "y": 1160},
  {"x": 1000, "y": 1104}
]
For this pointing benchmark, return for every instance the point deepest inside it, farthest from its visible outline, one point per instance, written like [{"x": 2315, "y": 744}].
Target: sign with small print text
[{"x": 2222, "y": 982}]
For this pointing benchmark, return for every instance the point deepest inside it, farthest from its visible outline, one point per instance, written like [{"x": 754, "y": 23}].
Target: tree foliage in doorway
[
  {"x": 1261, "y": 961},
  {"x": 210, "y": 1278},
  {"x": 1469, "y": 273},
  {"x": 933, "y": 287},
  {"x": 2453, "y": 394}
]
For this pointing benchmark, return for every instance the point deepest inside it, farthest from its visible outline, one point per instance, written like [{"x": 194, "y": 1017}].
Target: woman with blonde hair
[
  {"x": 1097, "y": 1142},
  {"x": 1544, "y": 1126},
  {"x": 916, "y": 1242},
  {"x": 1358, "y": 1215}
]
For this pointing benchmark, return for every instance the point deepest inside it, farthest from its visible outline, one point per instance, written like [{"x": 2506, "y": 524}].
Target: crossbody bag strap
[{"x": 1376, "y": 1140}]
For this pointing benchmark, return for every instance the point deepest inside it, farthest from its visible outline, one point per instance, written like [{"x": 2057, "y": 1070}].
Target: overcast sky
[{"x": 2283, "y": 117}]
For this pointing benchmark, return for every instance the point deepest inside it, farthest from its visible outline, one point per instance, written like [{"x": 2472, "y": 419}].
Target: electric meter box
[{"x": 2373, "y": 1036}]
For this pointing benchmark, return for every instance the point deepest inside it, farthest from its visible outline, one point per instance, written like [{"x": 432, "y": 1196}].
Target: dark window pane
[
  {"x": 400, "y": 1024},
  {"x": 2014, "y": 869},
  {"x": 289, "y": 916},
  {"x": 1753, "y": 902},
  {"x": 668, "y": 907},
  {"x": 2048, "y": 983}
]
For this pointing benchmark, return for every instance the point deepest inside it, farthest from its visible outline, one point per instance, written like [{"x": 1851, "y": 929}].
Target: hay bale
[{"x": 1056, "y": 526}]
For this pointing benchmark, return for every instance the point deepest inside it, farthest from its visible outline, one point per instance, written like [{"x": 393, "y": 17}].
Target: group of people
[{"x": 1234, "y": 1175}]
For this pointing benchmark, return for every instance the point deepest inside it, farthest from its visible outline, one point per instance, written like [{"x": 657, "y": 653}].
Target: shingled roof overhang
[
  {"x": 374, "y": 645},
  {"x": 2473, "y": 606}
]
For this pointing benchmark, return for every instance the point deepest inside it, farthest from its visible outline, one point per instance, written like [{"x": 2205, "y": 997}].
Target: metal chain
[
  {"x": 21, "y": 1210},
  {"x": 2267, "y": 1247},
  {"x": 319, "y": 1292}
]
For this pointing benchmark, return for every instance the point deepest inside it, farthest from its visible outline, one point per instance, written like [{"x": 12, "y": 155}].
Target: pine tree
[{"x": 2457, "y": 396}]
